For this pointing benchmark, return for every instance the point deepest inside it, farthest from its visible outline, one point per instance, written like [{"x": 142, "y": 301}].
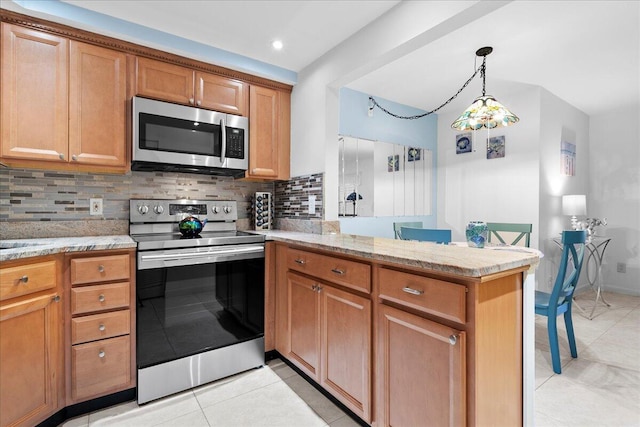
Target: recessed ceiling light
[{"x": 277, "y": 44}]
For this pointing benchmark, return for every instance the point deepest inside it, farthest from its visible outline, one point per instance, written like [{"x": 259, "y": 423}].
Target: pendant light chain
[
  {"x": 475, "y": 73},
  {"x": 483, "y": 71}
]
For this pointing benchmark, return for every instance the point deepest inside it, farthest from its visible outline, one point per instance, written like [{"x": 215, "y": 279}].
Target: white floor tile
[
  {"x": 81, "y": 421},
  {"x": 153, "y": 413},
  {"x": 275, "y": 405},
  {"x": 316, "y": 400},
  {"x": 236, "y": 385},
  {"x": 192, "y": 419}
]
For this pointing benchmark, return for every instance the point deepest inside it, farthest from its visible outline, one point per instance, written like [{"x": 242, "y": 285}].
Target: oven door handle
[{"x": 187, "y": 255}]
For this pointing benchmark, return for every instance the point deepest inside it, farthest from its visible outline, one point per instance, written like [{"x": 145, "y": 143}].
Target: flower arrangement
[{"x": 590, "y": 224}]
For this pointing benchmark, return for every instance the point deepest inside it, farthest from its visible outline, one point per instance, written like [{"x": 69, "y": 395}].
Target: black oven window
[
  {"x": 179, "y": 136},
  {"x": 186, "y": 310}
]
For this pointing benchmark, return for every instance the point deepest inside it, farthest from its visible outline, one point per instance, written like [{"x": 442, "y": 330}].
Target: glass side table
[{"x": 595, "y": 248}]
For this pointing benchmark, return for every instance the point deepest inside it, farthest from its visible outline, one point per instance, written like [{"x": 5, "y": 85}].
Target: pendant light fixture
[{"x": 484, "y": 112}]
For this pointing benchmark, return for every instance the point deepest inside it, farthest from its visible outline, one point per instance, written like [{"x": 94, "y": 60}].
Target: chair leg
[
  {"x": 568, "y": 321},
  {"x": 553, "y": 343}
]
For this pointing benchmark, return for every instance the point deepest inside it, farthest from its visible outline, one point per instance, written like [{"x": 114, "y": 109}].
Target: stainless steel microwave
[{"x": 177, "y": 138}]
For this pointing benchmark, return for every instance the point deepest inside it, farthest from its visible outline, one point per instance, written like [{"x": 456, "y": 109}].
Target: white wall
[{"x": 614, "y": 193}]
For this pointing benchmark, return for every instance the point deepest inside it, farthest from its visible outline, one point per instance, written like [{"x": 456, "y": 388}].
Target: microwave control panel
[{"x": 235, "y": 143}]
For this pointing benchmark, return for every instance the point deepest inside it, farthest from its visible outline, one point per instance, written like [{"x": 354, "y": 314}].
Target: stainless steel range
[{"x": 200, "y": 300}]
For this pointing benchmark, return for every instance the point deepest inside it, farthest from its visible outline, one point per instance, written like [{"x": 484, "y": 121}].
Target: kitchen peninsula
[{"x": 401, "y": 332}]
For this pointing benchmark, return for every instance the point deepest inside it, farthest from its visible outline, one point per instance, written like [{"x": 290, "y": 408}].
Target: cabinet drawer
[
  {"x": 100, "y": 367},
  {"x": 99, "y": 326},
  {"x": 432, "y": 296},
  {"x": 99, "y": 269},
  {"x": 352, "y": 274},
  {"x": 99, "y": 297},
  {"x": 26, "y": 279}
]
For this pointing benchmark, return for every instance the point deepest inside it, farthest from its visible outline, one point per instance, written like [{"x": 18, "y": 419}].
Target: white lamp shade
[{"x": 574, "y": 204}]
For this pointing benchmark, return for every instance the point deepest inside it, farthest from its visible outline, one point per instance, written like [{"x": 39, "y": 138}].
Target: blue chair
[
  {"x": 560, "y": 299},
  {"x": 426, "y": 234},
  {"x": 398, "y": 225},
  {"x": 523, "y": 230}
]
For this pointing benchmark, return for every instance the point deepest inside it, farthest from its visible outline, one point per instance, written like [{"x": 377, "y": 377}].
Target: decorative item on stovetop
[
  {"x": 476, "y": 234},
  {"x": 191, "y": 226}
]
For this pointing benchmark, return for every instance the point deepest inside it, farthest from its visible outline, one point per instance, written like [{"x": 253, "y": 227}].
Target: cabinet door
[
  {"x": 221, "y": 94},
  {"x": 421, "y": 371},
  {"x": 34, "y": 95},
  {"x": 97, "y": 105},
  {"x": 263, "y": 132},
  {"x": 30, "y": 348},
  {"x": 164, "y": 81},
  {"x": 346, "y": 348},
  {"x": 304, "y": 324}
]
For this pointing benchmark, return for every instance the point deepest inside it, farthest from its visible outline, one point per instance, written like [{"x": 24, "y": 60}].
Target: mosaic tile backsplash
[
  {"x": 39, "y": 203},
  {"x": 292, "y": 197}
]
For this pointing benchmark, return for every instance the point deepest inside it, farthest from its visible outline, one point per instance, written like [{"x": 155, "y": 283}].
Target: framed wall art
[
  {"x": 495, "y": 147},
  {"x": 463, "y": 143}
]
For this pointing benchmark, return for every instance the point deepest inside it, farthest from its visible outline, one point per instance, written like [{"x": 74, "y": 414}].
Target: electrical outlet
[
  {"x": 622, "y": 267},
  {"x": 95, "y": 206}
]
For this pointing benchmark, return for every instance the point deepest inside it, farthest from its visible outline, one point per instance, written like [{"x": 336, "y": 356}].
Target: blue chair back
[
  {"x": 398, "y": 225},
  {"x": 426, "y": 234},
  {"x": 573, "y": 246},
  {"x": 517, "y": 232}
]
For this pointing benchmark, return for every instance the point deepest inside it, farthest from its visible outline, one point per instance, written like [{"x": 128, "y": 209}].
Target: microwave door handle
[{"x": 223, "y": 148}]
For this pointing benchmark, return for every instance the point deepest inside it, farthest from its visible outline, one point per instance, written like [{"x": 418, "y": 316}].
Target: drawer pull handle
[
  {"x": 453, "y": 339},
  {"x": 101, "y": 354},
  {"x": 101, "y": 268},
  {"x": 24, "y": 279},
  {"x": 101, "y": 298},
  {"x": 102, "y": 327},
  {"x": 300, "y": 261},
  {"x": 338, "y": 271},
  {"x": 412, "y": 291}
]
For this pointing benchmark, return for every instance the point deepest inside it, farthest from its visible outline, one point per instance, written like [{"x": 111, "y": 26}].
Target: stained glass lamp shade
[{"x": 485, "y": 112}]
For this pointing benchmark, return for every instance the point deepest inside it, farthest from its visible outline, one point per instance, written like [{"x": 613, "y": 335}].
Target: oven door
[{"x": 190, "y": 304}]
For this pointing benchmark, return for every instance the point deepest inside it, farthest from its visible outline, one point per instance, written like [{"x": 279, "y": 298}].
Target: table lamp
[{"x": 574, "y": 205}]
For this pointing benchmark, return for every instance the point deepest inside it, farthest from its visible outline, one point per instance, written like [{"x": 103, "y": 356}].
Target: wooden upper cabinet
[
  {"x": 263, "y": 132},
  {"x": 174, "y": 83},
  {"x": 97, "y": 105},
  {"x": 167, "y": 82},
  {"x": 34, "y": 95},
  {"x": 221, "y": 94}
]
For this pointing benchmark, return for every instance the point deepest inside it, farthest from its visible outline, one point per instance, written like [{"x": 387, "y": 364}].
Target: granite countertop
[
  {"x": 26, "y": 248},
  {"x": 453, "y": 259}
]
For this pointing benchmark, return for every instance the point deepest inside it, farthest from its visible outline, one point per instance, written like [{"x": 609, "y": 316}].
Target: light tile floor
[
  {"x": 599, "y": 388},
  {"x": 602, "y": 386}
]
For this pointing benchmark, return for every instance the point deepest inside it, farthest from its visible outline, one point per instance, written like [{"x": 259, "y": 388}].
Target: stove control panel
[{"x": 163, "y": 211}]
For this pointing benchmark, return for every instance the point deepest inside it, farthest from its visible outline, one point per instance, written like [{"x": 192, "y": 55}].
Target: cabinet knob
[
  {"x": 101, "y": 354},
  {"x": 101, "y": 298},
  {"x": 101, "y": 268},
  {"x": 56, "y": 298},
  {"x": 102, "y": 327},
  {"x": 300, "y": 261},
  {"x": 337, "y": 271},
  {"x": 74, "y": 158},
  {"x": 24, "y": 279},
  {"x": 61, "y": 156},
  {"x": 191, "y": 101},
  {"x": 453, "y": 339}
]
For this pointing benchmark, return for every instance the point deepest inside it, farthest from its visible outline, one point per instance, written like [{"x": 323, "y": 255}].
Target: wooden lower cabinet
[
  {"x": 329, "y": 338},
  {"x": 420, "y": 371},
  {"x": 31, "y": 351}
]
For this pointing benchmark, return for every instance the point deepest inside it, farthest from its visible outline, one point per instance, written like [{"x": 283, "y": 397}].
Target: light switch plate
[{"x": 95, "y": 206}]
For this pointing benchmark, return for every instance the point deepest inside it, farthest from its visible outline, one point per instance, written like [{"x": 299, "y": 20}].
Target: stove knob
[
  {"x": 215, "y": 209},
  {"x": 143, "y": 209},
  {"x": 227, "y": 209},
  {"x": 158, "y": 209}
]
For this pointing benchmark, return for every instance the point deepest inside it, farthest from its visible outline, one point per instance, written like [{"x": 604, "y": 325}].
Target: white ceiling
[{"x": 585, "y": 52}]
